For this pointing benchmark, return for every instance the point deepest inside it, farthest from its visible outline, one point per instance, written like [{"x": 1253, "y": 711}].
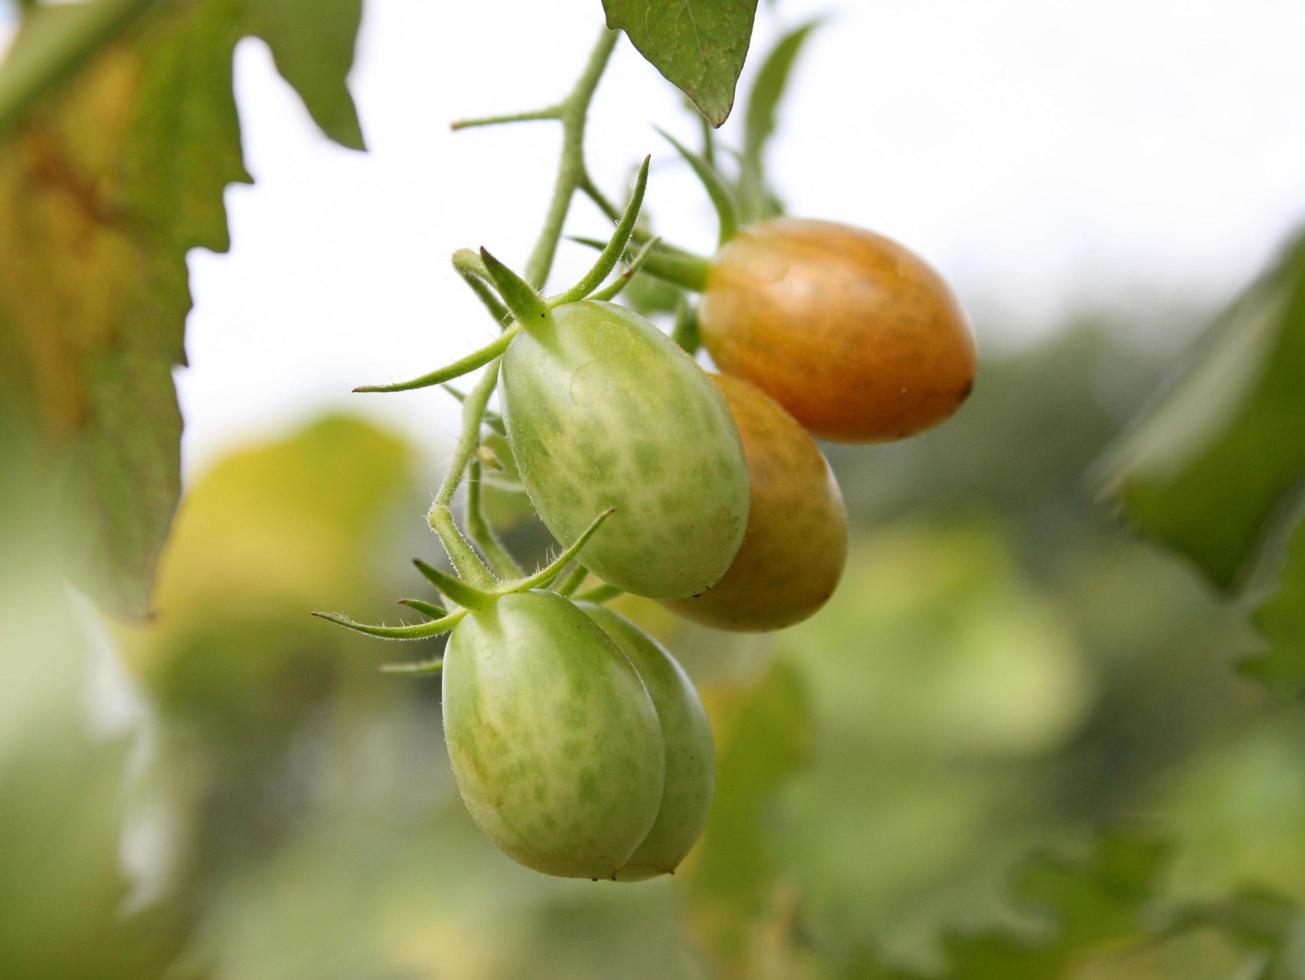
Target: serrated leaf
[
  {"x": 1211, "y": 465},
  {"x": 106, "y": 182},
  {"x": 698, "y": 45}
]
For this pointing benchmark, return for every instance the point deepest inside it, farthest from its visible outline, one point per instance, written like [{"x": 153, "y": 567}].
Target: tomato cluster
[{"x": 578, "y": 743}]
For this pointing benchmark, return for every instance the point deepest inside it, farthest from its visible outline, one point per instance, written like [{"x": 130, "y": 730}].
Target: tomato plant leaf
[
  {"x": 759, "y": 121},
  {"x": 698, "y": 45},
  {"x": 53, "y": 41},
  {"x": 106, "y": 181},
  {"x": 1113, "y": 904},
  {"x": 768, "y": 741},
  {"x": 1211, "y": 466},
  {"x": 1281, "y": 620}
]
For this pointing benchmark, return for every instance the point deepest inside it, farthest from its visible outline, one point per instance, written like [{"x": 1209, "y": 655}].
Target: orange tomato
[
  {"x": 855, "y": 335},
  {"x": 795, "y": 544}
]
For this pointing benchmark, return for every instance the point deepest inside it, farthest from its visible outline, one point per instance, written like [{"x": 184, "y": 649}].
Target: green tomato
[
  {"x": 555, "y": 743},
  {"x": 604, "y": 410},
  {"x": 690, "y": 753}
]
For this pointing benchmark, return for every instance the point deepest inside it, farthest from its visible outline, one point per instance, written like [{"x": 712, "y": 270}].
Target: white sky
[{"x": 1041, "y": 153}]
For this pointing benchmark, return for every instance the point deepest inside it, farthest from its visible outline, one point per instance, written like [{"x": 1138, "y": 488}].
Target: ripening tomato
[
  {"x": 795, "y": 547},
  {"x": 854, "y": 335},
  {"x": 555, "y": 743},
  {"x": 690, "y": 751},
  {"x": 603, "y": 411}
]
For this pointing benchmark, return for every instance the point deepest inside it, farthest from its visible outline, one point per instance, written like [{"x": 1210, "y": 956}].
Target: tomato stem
[
  {"x": 482, "y": 534},
  {"x": 571, "y": 172},
  {"x": 531, "y": 115},
  {"x": 440, "y": 518},
  {"x": 573, "y": 581}
]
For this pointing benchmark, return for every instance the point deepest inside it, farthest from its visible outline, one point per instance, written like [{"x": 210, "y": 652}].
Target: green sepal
[
  {"x": 614, "y": 288},
  {"x": 521, "y": 298},
  {"x": 414, "y": 631},
  {"x": 455, "y": 370},
  {"x": 667, "y": 262},
  {"x": 573, "y": 581},
  {"x": 545, "y": 576},
  {"x": 455, "y": 588},
  {"x": 425, "y": 608},
  {"x": 600, "y": 593},
  {"x": 614, "y": 248},
  {"x": 491, "y": 418},
  {"x": 419, "y": 668},
  {"x": 727, "y": 212},
  {"x": 469, "y": 266},
  {"x": 686, "y": 332}
]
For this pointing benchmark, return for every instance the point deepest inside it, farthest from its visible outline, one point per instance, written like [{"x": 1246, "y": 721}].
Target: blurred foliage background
[
  {"x": 912, "y": 781},
  {"x": 1019, "y": 743}
]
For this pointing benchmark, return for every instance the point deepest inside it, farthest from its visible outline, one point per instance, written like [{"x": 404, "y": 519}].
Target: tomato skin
[
  {"x": 690, "y": 752},
  {"x": 793, "y": 553},
  {"x": 555, "y": 744},
  {"x": 604, "y": 410},
  {"x": 857, "y": 337}
]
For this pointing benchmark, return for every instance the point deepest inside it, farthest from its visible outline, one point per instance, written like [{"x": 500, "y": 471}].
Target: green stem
[
  {"x": 440, "y": 518},
  {"x": 573, "y": 112},
  {"x": 482, "y": 535},
  {"x": 571, "y": 173},
  {"x": 550, "y": 112}
]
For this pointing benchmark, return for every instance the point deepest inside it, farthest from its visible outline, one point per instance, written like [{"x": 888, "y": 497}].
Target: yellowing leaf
[{"x": 106, "y": 181}]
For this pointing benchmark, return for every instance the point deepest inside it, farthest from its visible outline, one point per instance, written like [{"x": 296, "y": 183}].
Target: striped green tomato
[
  {"x": 555, "y": 744},
  {"x": 690, "y": 752},
  {"x": 604, "y": 410}
]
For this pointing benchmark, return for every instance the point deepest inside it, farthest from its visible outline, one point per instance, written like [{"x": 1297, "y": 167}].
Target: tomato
[
  {"x": 555, "y": 744},
  {"x": 857, "y": 337},
  {"x": 795, "y": 547},
  {"x": 690, "y": 753},
  {"x": 603, "y": 410}
]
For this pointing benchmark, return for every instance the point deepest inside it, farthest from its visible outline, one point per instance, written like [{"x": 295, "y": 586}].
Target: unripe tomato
[
  {"x": 603, "y": 410},
  {"x": 857, "y": 337},
  {"x": 795, "y": 547},
  {"x": 690, "y": 753},
  {"x": 555, "y": 743}
]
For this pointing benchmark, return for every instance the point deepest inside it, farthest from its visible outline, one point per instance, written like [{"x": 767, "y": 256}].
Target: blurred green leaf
[
  {"x": 768, "y": 738},
  {"x": 698, "y": 45},
  {"x": 52, "y": 42},
  {"x": 1087, "y": 906},
  {"x": 1281, "y": 621},
  {"x": 105, "y": 184},
  {"x": 760, "y": 120},
  {"x": 1211, "y": 465}
]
